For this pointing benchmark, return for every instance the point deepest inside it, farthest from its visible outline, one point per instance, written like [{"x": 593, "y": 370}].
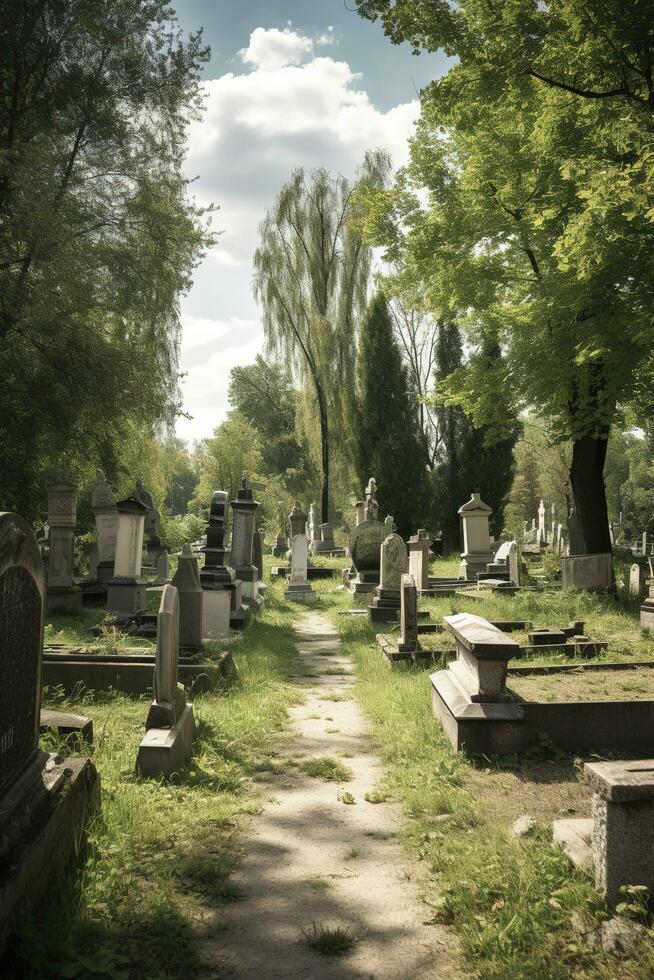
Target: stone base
[
  {"x": 215, "y": 613},
  {"x": 363, "y": 583},
  {"x": 395, "y": 651},
  {"x": 41, "y": 820},
  {"x": 471, "y": 565},
  {"x": 126, "y": 595},
  {"x": 575, "y": 838},
  {"x": 592, "y": 573},
  {"x": 164, "y": 751},
  {"x": 301, "y": 593},
  {"x": 128, "y": 674},
  {"x": 67, "y": 724},
  {"x": 63, "y": 598},
  {"x": 105, "y": 572}
]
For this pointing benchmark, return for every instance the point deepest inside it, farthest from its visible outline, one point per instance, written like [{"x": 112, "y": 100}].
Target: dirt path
[{"x": 310, "y": 857}]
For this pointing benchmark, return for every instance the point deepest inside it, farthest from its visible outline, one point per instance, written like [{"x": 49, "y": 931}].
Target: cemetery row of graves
[{"x": 514, "y": 714}]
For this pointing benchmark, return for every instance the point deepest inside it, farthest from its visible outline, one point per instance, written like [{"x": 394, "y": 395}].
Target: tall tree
[
  {"x": 97, "y": 236},
  {"x": 311, "y": 273},
  {"x": 388, "y": 438},
  {"x": 541, "y": 194}
]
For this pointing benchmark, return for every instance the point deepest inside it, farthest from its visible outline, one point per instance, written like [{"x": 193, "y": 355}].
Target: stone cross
[
  {"x": 22, "y": 599},
  {"x": 408, "y": 614},
  {"x": 189, "y": 589}
]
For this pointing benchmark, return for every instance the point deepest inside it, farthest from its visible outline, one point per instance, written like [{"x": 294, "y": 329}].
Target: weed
[
  {"x": 375, "y": 796},
  {"x": 347, "y": 798},
  {"x": 351, "y": 854},
  {"x": 332, "y": 940},
  {"x": 325, "y": 767}
]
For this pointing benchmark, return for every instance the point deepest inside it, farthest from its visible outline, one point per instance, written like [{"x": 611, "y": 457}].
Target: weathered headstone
[
  {"x": 222, "y": 604},
  {"x": 372, "y": 504},
  {"x": 299, "y": 589},
  {"x": 297, "y": 520},
  {"x": 419, "y": 545},
  {"x": 169, "y": 726},
  {"x": 312, "y": 528},
  {"x": 408, "y": 614},
  {"x": 359, "y": 512},
  {"x": 62, "y": 592},
  {"x": 542, "y": 534},
  {"x": 103, "y": 505},
  {"x": 364, "y": 547},
  {"x": 161, "y": 568},
  {"x": 126, "y": 592},
  {"x": 244, "y": 508},
  {"x": 637, "y": 587},
  {"x": 513, "y": 562},
  {"x": 281, "y": 544},
  {"x": 475, "y": 515},
  {"x": 43, "y": 802},
  {"x": 189, "y": 589},
  {"x": 394, "y": 564}
]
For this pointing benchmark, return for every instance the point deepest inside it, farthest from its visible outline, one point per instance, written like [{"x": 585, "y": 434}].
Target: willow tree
[{"x": 311, "y": 274}]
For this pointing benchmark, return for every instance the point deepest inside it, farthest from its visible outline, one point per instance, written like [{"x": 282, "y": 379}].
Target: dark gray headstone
[
  {"x": 187, "y": 582},
  {"x": 22, "y": 592}
]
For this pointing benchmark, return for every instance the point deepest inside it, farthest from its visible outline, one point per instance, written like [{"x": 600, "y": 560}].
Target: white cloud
[
  {"x": 292, "y": 109},
  {"x": 272, "y": 48}
]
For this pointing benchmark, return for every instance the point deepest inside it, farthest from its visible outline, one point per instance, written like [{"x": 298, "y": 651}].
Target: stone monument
[
  {"x": 419, "y": 545},
  {"x": 169, "y": 726},
  {"x": 126, "y": 592},
  {"x": 364, "y": 546},
  {"x": 43, "y": 802},
  {"x": 299, "y": 589},
  {"x": 155, "y": 552},
  {"x": 103, "y": 505},
  {"x": 189, "y": 589},
  {"x": 221, "y": 599},
  {"x": 62, "y": 593},
  {"x": 394, "y": 563},
  {"x": 475, "y": 515},
  {"x": 244, "y": 508}
]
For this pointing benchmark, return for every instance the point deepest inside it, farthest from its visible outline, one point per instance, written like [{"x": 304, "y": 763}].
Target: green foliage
[
  {"x": 326, "y": 768},
  {"x": 332, "y": 940},
  {"x": 388, "y": 438},
  {"x": 542, "y": 468},
  {"x": 220, "y": 460}
]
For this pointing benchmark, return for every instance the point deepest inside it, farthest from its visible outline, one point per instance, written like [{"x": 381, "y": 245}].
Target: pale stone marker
[
  {"x": 360, "y": 512},
  {"x": 189, "y": 589},
  {"x": 394, "y": 564},
  {"x": 408, "y": 614},
  {"x": 636, "y": 581},
  {"x": 419, "y": 558},
  {"x": 103, "y": 505},
  {"x": 372, "y": 504},
  {"x": 513, "y": 562},
  {"x": 126, "y": 592},
  {"x": 299, "y": 589},
  {"x": 244, "y": 508},
  {"x": 475, "y": 515},
  {"x": 169, "y": 727},
  {"x": 542, "y": 534},
  {"x": 62, "y": 592}
]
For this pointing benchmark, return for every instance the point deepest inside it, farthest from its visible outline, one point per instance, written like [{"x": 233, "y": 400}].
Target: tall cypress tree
[
  {"x": 387, "y": 439},
  {"x": 468, "y": 458}
]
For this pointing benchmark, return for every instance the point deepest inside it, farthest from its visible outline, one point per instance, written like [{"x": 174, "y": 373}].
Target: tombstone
[
  {"x": 419, "y": 545},
  {"x": 359, "y": 512},
  {"x": 475, "y": 515},
  {"x": 44, "y": 802},
  {"x": 62, "y": 593},
  {"x": 394, "y": 563},
  {"x": 169, "y": 727},
  {"x": 325, "y": 544},
  {"x": 312, "y": 529},
  {"x": 637, "y": 581},
  {"x": 299, "y": 589},
  {"x": 297, "y": 520},
  {"x": 542, "y": 534},
  {"x": 408, "y": 615},
  {"x": 126, "y": 592},
  {"x": 364, "y": 547},
  {"x": 161, "y": 568},
  {"x": 153, "y": 544},
  {"x": 257, "y": 552},
  {"x": 372, "y": 504},
  {"x": 189, "y": 589},
  {"x": 222, "y": 604},
  {"x": 103, "y": 505},
  {"x": 590, "y": 573},
  {"x": 514, "y": 564},
  {"x": 244, "y": 509}
]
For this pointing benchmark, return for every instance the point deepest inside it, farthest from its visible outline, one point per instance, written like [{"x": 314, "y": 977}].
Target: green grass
[
  {"x": 332, "y": 940},
  {"x": 157, "y": 853},
  {"x": 325, "y": 767}
]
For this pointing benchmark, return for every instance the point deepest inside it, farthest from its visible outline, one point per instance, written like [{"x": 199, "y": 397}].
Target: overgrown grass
[
  {"x": 331, "y": 940},
  {"x": 158, "y": 852},
  {"x": 511, "y": 901},
  {"x": 324, "y": 767}
]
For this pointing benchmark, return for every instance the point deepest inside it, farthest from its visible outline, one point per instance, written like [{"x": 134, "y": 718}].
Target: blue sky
[{"x": 294, "y": 83}]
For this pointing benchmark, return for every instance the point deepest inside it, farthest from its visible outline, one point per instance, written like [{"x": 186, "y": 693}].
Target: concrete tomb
[
  {"x": 105, "y": 512},
  {"x": 62, "y": 593},
  {"x": 244, "y": 509},
  {"x": 419, "y": 545},
  {"x": 43, "y": 803},
  {"x": 299, "y": 589},
  {"x": 394, "y": 563},
  {"x": 475, "y": 515},
  {"x": 168, "y": 740},
  {"x": 126, "y": 592},
  {"x": 189, "y": 589}
]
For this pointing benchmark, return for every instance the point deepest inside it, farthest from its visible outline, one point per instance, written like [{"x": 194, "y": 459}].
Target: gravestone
[
  {"x": 62, "y": 593},
  {"x": 161, "y": 568},
  {"x": 169, "y": 726},
  {"x": 312, "y": 528},
  {"x": 297, "y": 520},
  {"x": 126, "y": 592},
  {"x": 359, "y": 512},
  {"x": 299, "y": 589},
  {"x": 43, "y": 802},
  {"x": 542, "y": 534},
  {"x": 154, "y": 548},
  {"x": 189, "y": 589},
  {"x": 364, "y": 547},
  {"x": 475, "y": 515},
  {"x": 257, "y": 552},
  {"x": 105, "y": 512},
  {"x": 244, "y": 508},
  {"x": 222, "y": 604},
  {"x": 408, "y": 615},
  {"x": 394, "y": 564},
  {"x": 281, "y": 545},
  {"x": 638, "y": 581},
  {"x": 419, "y": 545},
  {"x": 513, "y": 562},
  {"x": 372, "y": 504}
]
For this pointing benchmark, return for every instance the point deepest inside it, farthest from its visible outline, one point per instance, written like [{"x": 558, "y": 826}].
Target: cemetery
[{"x": 327, "y": 495}]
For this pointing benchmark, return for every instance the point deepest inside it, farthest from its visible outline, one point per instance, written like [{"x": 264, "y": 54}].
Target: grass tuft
[
  {"x": 332, "y": 940},
  {"x": 324, "y": 767}
]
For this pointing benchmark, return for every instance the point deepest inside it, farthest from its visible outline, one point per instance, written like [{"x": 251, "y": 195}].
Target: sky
[{"x": 290, "y": 83}]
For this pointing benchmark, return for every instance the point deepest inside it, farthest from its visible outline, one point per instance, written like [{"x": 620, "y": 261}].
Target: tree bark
[
  {"x": 451, "y": 538},
  {"x": 589, "y": 494},
  {"x": 324, "y": 441}
]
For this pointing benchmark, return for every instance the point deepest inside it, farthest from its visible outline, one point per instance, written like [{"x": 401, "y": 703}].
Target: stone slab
[
  {"x": 623, "y": 781},
  {"x": 479, "y": 637},
  {"x": 67, "y": 724},
  {"x": 575, "y": 837},
  {"x": 130, "y": 675},
  {"x": 164, "y": 751}
]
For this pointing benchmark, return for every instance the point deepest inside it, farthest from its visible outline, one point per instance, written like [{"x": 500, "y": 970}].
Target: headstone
[
  {"x": 257, "y": 552},
  {"x": 44, "y": 801},
  {"x": 126, "y": 592},
  {"x": 513, "y": 562},
  {"x": 637, "y": 581},
  {"x": 542, "y": 534},
  {"x": 189, "y": 589},
  {"x": 364, "y": 547},
  {"x": 152, "y": 517},
  {"x": 161, "y": 568},
  {"x": 244, "y": 508},
  {"x": 419, "y": 545},
  {"x": 372, "y": 504},
  {"x": 326, "y": 542},
  {"x": 103, "y": 505},
  {"x": 281, "y": 545},
  {"x": 62, "y": 592},
  {"x": 169, "y": 726},
  {"x": 312, "y": 528},
  {"x": 590, "y": 573},
  {"x": 408, "y": 614},
  {"x": 299, "y": 589},
  {"x": 360, "y": 512},
  {"x": 297, "y": 520},
  {"x": 222, "y": 603},
  {"x": 394, "y": 563},
  {"x": 475, "y": 515}
]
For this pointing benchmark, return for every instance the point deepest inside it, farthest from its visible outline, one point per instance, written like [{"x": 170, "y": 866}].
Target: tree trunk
[
  {"x": 451, "y": 538},
  {"x": 589, "y": 494},
  {"x": 324, "y": 440}
]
